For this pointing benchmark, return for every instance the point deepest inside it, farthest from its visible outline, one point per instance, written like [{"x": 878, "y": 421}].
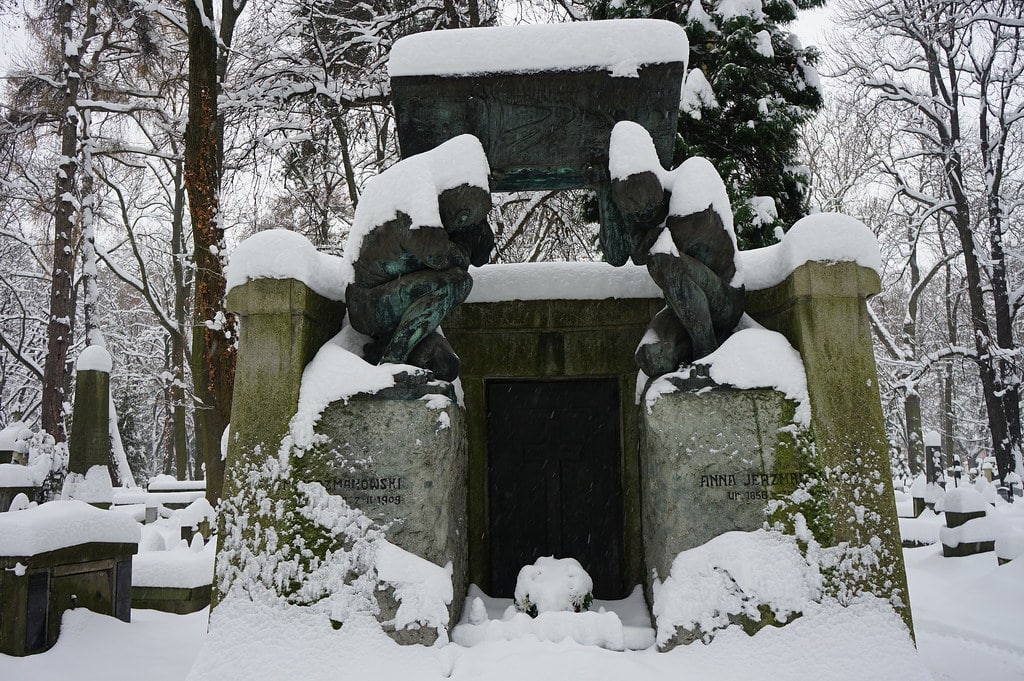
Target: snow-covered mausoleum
[{"x": 344, "y": 495}]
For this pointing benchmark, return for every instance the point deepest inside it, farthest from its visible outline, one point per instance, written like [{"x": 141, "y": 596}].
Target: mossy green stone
[
  {"x": 89, "y": 443},
  {"x": 283, "y": 323},
  {"x": 821, "y": 309}
]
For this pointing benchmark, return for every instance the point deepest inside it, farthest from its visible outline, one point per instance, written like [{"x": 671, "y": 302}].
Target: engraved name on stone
[
  {"x": 743, "y": 486},
  {"x": 368, "y": 491}
]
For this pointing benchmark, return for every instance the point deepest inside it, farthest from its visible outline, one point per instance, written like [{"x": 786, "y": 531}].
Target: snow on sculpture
[
  {"x": 419, "y": 226},
  {"x": 680, "y": 225}
]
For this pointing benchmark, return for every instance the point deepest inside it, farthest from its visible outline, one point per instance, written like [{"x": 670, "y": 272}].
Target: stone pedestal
[
  {"x": 404, "y": 463},
  {"x": 709, "y": 466}
]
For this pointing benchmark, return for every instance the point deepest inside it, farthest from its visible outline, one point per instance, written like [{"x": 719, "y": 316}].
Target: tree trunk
[
  {"x": 952, "y": 337},
  {"x": 993, "y": 138},
  {"x": 55, "y": 369},
  {"x": 213, "y": 355},
  {"x": 911, "y": 398}
]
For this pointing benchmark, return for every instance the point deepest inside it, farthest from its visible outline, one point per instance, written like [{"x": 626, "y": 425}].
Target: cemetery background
[{"x": 897, "y": 429}]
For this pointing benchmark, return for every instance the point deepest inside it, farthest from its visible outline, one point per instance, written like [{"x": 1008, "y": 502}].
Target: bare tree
[{"x": 957, "y": 67}]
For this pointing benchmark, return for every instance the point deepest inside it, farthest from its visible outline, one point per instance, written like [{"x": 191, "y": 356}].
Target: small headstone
[
  {"x": 934, "y": 468},
  {"x": 968, "y": 530}
]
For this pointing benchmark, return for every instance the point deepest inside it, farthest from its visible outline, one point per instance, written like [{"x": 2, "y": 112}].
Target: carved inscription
[
  {"x": 366, "y": 491},
  {"x": 748, "y": 486}
]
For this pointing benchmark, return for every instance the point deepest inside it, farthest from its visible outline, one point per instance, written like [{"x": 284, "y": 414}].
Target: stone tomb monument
[{"x": 430, "y": 464}]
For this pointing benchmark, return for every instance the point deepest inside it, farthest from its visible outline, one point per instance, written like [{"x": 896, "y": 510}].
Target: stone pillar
[
  {"x": 282, "y": 325},
  {"x": 821, "y": 308},
  {"x": 89, "y": 444}
]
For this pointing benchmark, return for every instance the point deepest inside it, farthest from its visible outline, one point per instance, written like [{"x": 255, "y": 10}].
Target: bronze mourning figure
[{"x": 409, "y": 277}]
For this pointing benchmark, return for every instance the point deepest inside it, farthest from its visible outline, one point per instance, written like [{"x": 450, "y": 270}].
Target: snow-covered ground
[{"x": 968, "y": 612}]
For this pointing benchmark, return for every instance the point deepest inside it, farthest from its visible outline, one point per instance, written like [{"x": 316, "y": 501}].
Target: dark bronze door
[{"x": 554, "y": 479}]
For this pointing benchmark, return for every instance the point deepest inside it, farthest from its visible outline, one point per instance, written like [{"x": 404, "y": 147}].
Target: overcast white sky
[{"x": 810, "y": 26}]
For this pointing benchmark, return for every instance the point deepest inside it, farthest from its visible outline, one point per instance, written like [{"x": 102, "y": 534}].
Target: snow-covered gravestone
[
  {"x": 969, "y": 530},
  {"x": 57, "y": 556},
  {"x": 337, "y": 450},
  {"x": 89, "y": 444}
]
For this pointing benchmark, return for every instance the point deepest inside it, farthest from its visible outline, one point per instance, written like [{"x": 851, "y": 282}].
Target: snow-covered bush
[
  {"x": 553, "y": 585},
  {"x": 45, "y": 468}
]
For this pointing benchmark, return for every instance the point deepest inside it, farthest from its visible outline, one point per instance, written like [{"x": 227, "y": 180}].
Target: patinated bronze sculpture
[
  {"x": 408, "y": 278},
  {"x": 694, "y": 267}
]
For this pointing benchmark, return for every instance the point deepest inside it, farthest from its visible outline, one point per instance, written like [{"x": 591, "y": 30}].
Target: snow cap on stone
[
  {"x": 822, "y": 237},
  {"x": 59, "y": 524},
  {"x": 94, "y": 358},
  {"x": 618, "y": 46},
  {"x": 284, "y": 254},
  {"x": 631, "y": 151}
]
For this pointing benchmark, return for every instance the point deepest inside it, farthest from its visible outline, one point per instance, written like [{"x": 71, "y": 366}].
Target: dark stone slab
[
  {"x": 956, "y": 519},
  {"x": 541, "y": 130},
  {"x": 179, "y": 601},
  {"x": 968, "y": 549}
]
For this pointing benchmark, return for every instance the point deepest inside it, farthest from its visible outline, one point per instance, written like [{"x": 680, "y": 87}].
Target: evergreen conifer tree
[{"x": 749, "y": 86}]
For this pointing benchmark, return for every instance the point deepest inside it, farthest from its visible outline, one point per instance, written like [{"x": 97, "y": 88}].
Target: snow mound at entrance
[
  {"x": 613, "y": 625},
  {"x": 553, "y": 585}
]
